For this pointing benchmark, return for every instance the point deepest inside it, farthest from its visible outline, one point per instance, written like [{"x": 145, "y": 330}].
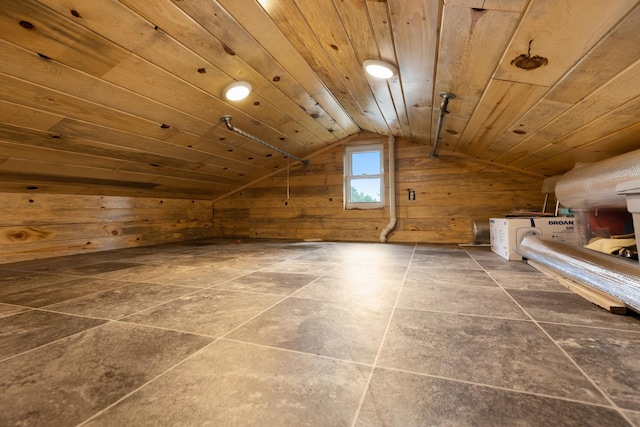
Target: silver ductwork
[
  {"x": 615, "y": 276},
  {"x": 593, "y": 185}
]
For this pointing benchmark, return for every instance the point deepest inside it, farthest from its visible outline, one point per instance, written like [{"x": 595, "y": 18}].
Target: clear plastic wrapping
[
  {"x": 616, "y": 276},
  {"x": 593, "y": 185}
]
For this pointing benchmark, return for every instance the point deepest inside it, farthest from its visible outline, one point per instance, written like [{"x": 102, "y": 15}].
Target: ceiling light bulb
[
  {"x": 237, "y": 91},
  {"x": 380, "y": 69}
]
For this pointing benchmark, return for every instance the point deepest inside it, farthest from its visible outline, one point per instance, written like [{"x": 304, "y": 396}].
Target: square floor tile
[
  {"x": 200, "y": 277},
  {"x": 68, "y": 381},
  {"x": 58, "y": 292},
  {"x": 233, "y": 384},
  {"x": 16, "y": 281},
  {"x": 444, "y": 261},
  {"x": 501, "y": 264},
  {"x": 571, "y": 309},
  {"x": 31, "y": 329},
  {"x": 444, "y": 276},
  {"x": 372, "y": 293},
  {"x": 480, "y": 300},
  {"x": 306, "y": 267},
  {"x": 610, "y": 357},
  {"x": 507, "y": 353},
  {"x": 123, "y": 301},
  {"x": 534, "y": 281},
  {"x": 268, "y": 282},
  {"x": 98, "y": 268},
  {"x": 404, "y": 399},
  {"x": 143, "y": 273},
  {"x": 325, "y": 328},
  {"x": 360, "y": 273},
  {"x": 208, "y": 312}
]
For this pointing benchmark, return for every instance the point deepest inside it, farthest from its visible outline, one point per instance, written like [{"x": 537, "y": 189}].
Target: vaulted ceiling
[{"x": 124, "y": 96}]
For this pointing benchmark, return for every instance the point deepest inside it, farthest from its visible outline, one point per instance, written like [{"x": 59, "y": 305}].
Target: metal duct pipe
[
  {"x": 227, "y": 121},
  {"x": 443, "y": 109},
  {"x": 593, "y": 185},
  {"x": 615, "y": 276}
]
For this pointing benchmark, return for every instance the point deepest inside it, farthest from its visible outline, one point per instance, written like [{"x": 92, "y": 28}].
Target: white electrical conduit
[
  {"x": 227, "y": 121},
  {"x": 392, "y": 191}
]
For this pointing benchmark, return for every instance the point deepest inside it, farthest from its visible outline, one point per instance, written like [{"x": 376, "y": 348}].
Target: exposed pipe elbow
[
  {"x": 392, "y": 191},
  {"x": 388, "y": 229},
  {"x": 227, "y": 122}
]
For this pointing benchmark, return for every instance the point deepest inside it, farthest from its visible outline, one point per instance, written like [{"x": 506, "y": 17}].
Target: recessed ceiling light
[
  {"x": 237, "y": 91},
  {"x": 380, "y": 69}
]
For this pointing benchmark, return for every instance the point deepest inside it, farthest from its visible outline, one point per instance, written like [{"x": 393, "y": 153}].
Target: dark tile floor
[{"x": 276, "y": 333}]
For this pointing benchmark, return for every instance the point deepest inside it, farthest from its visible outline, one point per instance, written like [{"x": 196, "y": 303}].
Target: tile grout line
[
  {"x": 161, "y": 374},
  {"x": 495, "y": 387},
  {"x": 215, "y": 340},
  {"x": 612, "y": 404},
  {"x": 382, "y": 340}
]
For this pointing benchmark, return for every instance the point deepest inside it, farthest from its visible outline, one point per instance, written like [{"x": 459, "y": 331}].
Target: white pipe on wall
[{"x": 392, "y": 191}]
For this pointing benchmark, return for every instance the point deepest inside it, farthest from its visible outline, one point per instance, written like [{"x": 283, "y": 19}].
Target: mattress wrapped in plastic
[
  {"x": 618, "y": 277},
  {"x": 593, "y": 185}
]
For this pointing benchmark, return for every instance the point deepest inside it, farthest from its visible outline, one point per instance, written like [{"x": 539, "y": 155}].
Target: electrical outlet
[{"x": 412, "y": 194}]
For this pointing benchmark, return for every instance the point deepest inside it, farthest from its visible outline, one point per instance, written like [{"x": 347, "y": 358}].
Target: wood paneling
[
  {"x": 37, "y": 225},
  {"x": 131, "y": 90},
  {"x": 451, "y": 192}
]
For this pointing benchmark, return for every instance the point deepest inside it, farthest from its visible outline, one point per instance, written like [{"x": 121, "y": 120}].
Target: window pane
[
  {"x": 365, "y": 190},
  {"x": 365, "y": 163}
]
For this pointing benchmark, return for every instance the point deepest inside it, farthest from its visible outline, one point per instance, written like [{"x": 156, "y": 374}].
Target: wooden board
[{"x": 601, "y": 299}]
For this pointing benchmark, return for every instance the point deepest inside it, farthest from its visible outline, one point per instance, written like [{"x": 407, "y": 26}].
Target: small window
[{"x": 364, "y": 177}]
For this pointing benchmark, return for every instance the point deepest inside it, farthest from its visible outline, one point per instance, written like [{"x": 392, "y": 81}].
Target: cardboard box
[{"x": 507, "y": 233}]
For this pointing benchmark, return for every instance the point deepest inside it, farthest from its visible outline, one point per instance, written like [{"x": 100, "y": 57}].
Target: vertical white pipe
[{"x": 392, "y": 190}]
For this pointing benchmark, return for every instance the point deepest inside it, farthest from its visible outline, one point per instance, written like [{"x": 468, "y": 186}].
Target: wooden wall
[
  {"x": 451, "y": 192},
  {"x": 36, "y": 226}
]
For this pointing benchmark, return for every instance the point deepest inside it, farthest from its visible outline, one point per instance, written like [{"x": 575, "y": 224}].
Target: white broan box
[{"x": 507, "y": 233}]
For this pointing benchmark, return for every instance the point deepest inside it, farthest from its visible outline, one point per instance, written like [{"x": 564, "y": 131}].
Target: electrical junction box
[{"x": 507, "y": 233}]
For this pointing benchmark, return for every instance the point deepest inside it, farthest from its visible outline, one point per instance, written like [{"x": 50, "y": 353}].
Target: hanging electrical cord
[
  {"x": 287, "y": 178},
  {"x": 227, "y": 122}
]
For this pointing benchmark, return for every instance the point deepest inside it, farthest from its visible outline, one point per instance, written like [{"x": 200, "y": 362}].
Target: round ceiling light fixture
[
  {"x": 380, "y": 69},
  {"x": 237, "y": 91}
]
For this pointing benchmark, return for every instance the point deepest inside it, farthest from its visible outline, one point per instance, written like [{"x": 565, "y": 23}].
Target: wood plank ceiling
[{"x": 124, "y": 96}]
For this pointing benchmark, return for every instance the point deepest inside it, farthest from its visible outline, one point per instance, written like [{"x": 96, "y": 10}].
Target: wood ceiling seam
[
  {"x": 587, "y": 107},
  {"x": 560, "y": 145},
  {"x": 379, "y": 13},
  {"x": 258, "y": 23},
  {"x": 60, "y": 65},
  {"x": 84, "y": 101},
  {"x": 329, "y": 29},
  {"x": 245, "y": 69},
  {"x": 295, "y": 27},
  {"x": 551, "y": 162},
  {"x": 415, "y": 33},
  {"x": 364, "y": 46},
  {"x": 305, "y": 99},
  {"x": 468, "y": 64},
  {"x": 216, "y": 117}
]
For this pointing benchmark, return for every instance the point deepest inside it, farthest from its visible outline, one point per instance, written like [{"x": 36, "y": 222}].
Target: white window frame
[{"x": 348, "y": 175}]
